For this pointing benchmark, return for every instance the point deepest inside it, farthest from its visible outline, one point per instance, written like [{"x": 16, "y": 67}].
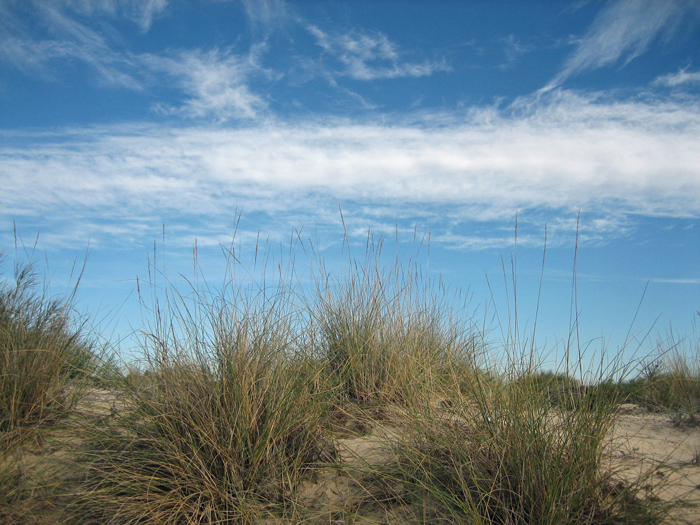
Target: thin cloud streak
[
  {"x": 215, "y": 84},
  {"x": 623, "y": 31},
  {"x": 366, "y": 56},
  {"x": 74, "y": 41},
  {"x": 611, "y": 158},
  {"x": 141, "y": 12},
  {"x": 682, "y": 78},
  {"x": 512, "y": 49},
  {"x": 269, "y": 13},
  {"x": 674, "y": 281}
]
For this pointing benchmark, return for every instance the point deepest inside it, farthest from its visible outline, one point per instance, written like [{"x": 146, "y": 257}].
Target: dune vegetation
[{"x": 364, "y": 397}]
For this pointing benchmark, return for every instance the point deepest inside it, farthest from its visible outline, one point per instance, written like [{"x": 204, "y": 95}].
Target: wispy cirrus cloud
[
  {"x": 70, "y": 41},
  {"x": 569, "y": 152},
  {"x": 40, "y": 57},
  {"x": 216, "y": 82},
  {"x": 623, "y": 31},
  {"x": 141, "y": 12},
  {"x": 371, "y": 56},
  {"x": 674, "y": 281},
  {"x": 270, "y": 14},
  {"x": 513, "y": 48},
  {"x": 682, "y": 78}
]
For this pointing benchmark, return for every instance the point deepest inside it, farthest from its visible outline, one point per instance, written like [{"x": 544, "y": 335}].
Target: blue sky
[{"x": 443, "y": 119}]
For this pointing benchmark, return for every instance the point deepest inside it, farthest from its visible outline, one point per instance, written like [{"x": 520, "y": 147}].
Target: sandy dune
[
  {"x": 655, "y": 443},
  {"x": 641, "y": 444}
]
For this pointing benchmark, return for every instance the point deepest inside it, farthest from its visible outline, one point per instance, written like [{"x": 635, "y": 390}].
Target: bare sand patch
[{"x": 654, "y": 443}]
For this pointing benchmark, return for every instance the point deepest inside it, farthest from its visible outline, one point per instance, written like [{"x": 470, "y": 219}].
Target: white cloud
[
  {"x": 678, "y": 79},
  {"x": 367, "y": 56},
  {"x": 674, "y": 281},
  {"x": 144, "y": 11},
  {"x": 141, "y": 12},
  {"x": 72, "y": 41},
  {"x": 607, "y": 158},
  {"x": 216, "y": 82},
  {"x": 111, "y": 68},
  {"x": 269, "y": 13},
  {"x": 513, "y": 49},
  {"x": 623, "y": 31}
]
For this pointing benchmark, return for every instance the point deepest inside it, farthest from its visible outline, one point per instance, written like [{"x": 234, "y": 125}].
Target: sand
[
  {"x": 655, "y": 445},
  {"x": 666, "y": 448}
]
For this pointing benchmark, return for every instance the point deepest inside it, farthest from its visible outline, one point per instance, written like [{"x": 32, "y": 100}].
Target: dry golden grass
[{"x": 362, "y": 401}]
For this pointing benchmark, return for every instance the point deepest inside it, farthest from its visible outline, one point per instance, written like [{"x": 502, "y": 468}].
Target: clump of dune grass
[
  {"x": 666, "y": 381},
  {"x": 682, "y": 380},
  {"x": 46, "y": 361},
  {"x": 502, "y": 453},
  {"x": 224, "y": 423},
  {"x": 232, "y": 408},
  {"x": 559, "y": 389},
  {"x": 42, "y": 355},
  {"x": 14, "y": 490},
  {"x": 516, "y": 445},
  {"x": 388, "y": 333},
  {"x": 669, "y": 382}
]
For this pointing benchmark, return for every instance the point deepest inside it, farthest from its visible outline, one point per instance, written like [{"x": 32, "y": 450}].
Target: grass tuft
[
  {"x": 223, "y": 426},
  {"x": 250, "y": 402},
  {"x": 387, "y": 334},
  {"x": 503, "y": 455},
  {"x": 45, "y": 364},
  {"x": 42, "y": 354}
]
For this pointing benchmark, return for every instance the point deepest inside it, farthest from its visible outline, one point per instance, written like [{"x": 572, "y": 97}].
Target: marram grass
[
  {"x": 41, "y": 353},
  {"x": 502, "y": 455},
  {"x": 222, "y": 428},
  {"x": 233, "y": 409},
  {"x": 46, "y": 363}
]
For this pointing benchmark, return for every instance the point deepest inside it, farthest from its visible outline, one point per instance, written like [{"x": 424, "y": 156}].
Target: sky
[{"x": 133, "y": 125}]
